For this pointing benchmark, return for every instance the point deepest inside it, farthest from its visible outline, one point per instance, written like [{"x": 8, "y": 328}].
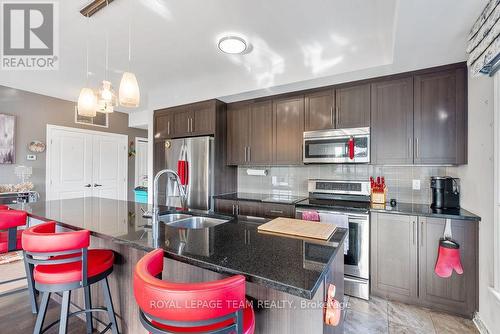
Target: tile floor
[{"x": 379, "y": 316}]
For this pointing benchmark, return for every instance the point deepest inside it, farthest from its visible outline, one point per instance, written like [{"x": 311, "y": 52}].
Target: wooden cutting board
[{"x": 298, "y": 227}]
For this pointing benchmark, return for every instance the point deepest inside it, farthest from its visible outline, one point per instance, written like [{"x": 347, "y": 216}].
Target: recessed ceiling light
[{"x": 232, "y": 45}]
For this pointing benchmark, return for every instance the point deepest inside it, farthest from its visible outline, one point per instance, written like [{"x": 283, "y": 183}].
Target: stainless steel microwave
[{"x": 337, "y": 146}]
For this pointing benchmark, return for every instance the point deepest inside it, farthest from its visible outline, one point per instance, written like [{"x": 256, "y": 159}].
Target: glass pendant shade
[
  {"x": 129, "y": 94},
  {"x": 87, "y": 103},
  {"x": 105, "y": 107},
  {"x": 107, "y": 98}
]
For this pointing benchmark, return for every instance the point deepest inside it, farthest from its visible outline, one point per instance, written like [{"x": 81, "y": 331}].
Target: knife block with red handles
[{"x": 378, "y": 191}]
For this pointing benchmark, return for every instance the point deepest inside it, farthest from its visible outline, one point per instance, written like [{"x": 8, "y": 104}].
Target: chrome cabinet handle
[
  {"x": 336, "y": 116},
  {"x": 97, "y": 185},
  {"x": 413, "y": 230},
  {"x": 249, "y": 154},
  {"x": 410, "y": 147},
  {"x": 168, "y": 128},
  {"x": 276, "y": 211},
  {"x": 331, "y": 115},
  {"x": 417, "y": 149},
  {"x": 421, "y": 233},
  {"x": 191, "y": 124},
  {"x": 88, "y": 185},
  {"x": 233, "y": 209}
]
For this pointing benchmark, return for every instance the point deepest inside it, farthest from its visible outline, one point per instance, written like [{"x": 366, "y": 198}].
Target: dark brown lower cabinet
[
  {"x": 394, "y": 256},
  {"x": 244, "y": 208},
  {"x": 403, "y": 255},
  {"x": 254, "y": 208},
  {"x": 225, "y": 206},
  {"x": 457, "y": 293},
  {"x": 273, "y": 210}
]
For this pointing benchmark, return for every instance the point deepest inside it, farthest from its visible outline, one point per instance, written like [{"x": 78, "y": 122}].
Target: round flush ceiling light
[{"x": 232, "y": 45}]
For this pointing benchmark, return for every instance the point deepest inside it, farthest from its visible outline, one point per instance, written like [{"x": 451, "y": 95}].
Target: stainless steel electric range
[{"x": 351, "y": 199}]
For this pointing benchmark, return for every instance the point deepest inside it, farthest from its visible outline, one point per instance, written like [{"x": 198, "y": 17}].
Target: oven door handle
[{"x": 355, "y": 280}]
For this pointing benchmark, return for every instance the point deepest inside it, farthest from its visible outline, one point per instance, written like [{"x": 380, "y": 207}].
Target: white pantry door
[
  {"x": 84, "y": 163},
  {"x": 69, "y": 164},
  {"x": 110, "y": 159}
]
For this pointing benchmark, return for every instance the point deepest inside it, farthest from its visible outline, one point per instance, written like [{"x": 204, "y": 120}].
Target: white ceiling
[{"x": 295, "y": 44}]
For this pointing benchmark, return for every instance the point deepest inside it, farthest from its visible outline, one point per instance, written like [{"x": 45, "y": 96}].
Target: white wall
[
  {"x": 139, "y": 119},
  {"x": 477, "y": 190}
]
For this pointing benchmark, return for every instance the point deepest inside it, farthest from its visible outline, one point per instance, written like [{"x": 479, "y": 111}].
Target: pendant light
[
  {"x": 106, "y": 95},
  {"x": 87, "y": 100},
  {"x": 129, "y": 94}
]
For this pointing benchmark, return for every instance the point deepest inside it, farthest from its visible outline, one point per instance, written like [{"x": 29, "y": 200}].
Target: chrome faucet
[{"x": 182, "y": 192}]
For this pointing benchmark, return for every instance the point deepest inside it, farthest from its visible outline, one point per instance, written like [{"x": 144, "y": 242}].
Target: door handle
[
  {"x": 336, "y": 116},
  {"x": 233, "y": 209},
  {"x": 88, "y": 185},
  {"x": 249, "y": 154},
  {"x": 168, "y": 128},
  {"x": 331, "y": 115},
  {"x": 189, "y": 125},
  {"x": 97, "y": 185},
  {"x": 276, "y": 211}
]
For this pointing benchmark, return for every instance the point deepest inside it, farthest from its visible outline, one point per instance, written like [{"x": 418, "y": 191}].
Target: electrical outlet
[
  {"x": 31, "y": 157},
  {"x": 416, "y": 185}
]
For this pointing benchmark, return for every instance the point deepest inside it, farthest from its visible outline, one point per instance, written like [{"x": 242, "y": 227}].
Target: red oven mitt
[{"x": 448, "y": 258}]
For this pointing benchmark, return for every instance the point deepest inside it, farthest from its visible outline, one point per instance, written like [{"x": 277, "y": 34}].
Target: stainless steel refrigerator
[{"x": 200, "y": 180}]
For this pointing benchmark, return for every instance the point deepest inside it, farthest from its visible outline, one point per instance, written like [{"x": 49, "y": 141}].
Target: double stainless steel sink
[{"x": 190, "y": 222}]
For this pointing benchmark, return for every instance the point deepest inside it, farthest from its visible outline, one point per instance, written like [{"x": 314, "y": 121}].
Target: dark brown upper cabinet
[
  {"x": 195, "y": 119},
  {"x": 250, "y": 133},
  {"x": 319, "y": 110},
  {"x": 238, "y": 115},
  {"x": 392, "y": 122},
  {"x": 182, "y": 120},
  {"x": 163, "y": 124},
  {"x": 260, "y": 148},
  {"x": 288, "y": 120},
  {"x": 203, "y": 118},
  {"x": 440, "y": 117},
  {"x": 352, "y": 106}
]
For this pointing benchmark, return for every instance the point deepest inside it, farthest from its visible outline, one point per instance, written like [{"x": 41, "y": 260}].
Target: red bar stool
[
  {"x": 11, "y": 241},
  {"x": 63, "y": 263},
  {"x": 10, "y": 220},
  {"x": 212, "y": 307}
]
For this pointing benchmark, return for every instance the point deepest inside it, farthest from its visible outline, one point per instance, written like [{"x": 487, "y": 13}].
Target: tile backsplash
[{"x": 292, "y": 180}]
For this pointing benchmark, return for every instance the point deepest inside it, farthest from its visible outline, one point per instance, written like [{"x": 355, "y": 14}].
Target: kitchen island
[{"x": 286, "y": 284}]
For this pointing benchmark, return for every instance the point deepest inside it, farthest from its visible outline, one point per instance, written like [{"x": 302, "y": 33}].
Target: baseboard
[{"x": 480, "y": 324}]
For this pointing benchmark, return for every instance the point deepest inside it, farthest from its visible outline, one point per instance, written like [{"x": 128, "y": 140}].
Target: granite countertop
[
  {"x": 235, "y": 247},
  {"x": 426, "y": 210},
  {"x": 266, "y": 198}
]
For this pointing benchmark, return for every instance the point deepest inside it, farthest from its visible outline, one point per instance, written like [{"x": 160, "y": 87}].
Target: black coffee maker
[{"x": 445, "y": 192}]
